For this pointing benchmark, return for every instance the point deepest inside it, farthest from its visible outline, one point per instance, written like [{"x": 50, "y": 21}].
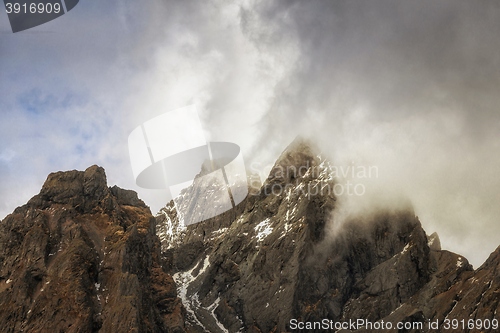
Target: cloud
[{"x": 407, "y": 86}]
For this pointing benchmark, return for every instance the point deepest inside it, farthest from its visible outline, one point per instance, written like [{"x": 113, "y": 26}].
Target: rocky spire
[
  {"x": 295, "y": 160},
  {"x": 82, "y": 257}
]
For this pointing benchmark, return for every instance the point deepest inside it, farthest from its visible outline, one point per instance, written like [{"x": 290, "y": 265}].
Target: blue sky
[
  {"x": 411, "y": 87},
  {"x": 74, "y": 88}
]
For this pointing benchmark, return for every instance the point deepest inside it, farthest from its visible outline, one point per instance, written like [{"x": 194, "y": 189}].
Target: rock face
[
  {"x": 82, "y": 257},
  {"x": 239, "y": 271},
  {"x": 283, "y": 255},
  {"x": 456, "y": 292}
]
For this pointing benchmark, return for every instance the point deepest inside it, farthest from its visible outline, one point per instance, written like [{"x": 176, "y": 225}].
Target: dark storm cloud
[
  {"x": 399, "y": 57},
  {"x": 411, "y": 86}
]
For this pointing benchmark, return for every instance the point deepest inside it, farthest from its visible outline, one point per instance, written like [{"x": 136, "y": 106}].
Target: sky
[{"x": 410, "y": 87}]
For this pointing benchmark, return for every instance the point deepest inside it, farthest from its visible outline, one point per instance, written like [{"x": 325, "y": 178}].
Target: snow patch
[
  {"x": 453, "y": 308},
  {"x": 325, "y": 171},
  {"x": 183, "y": 281},
  {"x": 291, "y": 214},
  {"x": 287, "y": 226},
  {"x": 218, "y": 233},
  {"x": 399, "y": 307},
  {"x": 263, "y": 229},
  {"x": 240, "y": 219},
  {"x": 168, "y": 231},
  {"x": 288, "y": 195},
  {"x": 212, "y": 308},
  {"x": 206, "y": 263}
]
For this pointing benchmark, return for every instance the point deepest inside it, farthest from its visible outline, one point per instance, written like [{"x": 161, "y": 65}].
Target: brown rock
[{"x": 81, "y": 257}]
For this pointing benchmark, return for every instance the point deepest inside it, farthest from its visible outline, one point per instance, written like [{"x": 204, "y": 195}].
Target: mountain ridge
[
  {"x": 84, "y": 257},
  {"x": 380, "y": 266}
]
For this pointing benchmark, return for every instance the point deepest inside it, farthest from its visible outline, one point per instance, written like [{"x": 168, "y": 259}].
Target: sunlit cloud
[{"x": 410, "y": 87}]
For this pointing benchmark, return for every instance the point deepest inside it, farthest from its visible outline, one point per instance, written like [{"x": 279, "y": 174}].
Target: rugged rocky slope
[
  {"x": 279, "y": 256},
  {"x": 82, "y": 257},
  {"x": 454, "y": 294},
  {"x": 240, "y": 271}
]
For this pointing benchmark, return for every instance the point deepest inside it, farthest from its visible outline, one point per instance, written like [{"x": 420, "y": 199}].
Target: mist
[{"x": 410, "y": 88}]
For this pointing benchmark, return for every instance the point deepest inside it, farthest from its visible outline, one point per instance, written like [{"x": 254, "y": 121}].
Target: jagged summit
[
  {"x": 83, "y": 257},
  {"x": 434, "y": 242},
  {"x": 85, "y": 190},
  {"x": 253, "y": 269},
  {"x": 297, "y": 175},
  {"x": 300, "y": 147},
  {"x": 76, "y": 182},
  {"x": 297, "y": 158}
]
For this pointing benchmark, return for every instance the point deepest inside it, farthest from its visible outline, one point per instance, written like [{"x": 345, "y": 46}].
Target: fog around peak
[{"x": 410, "y": 88}]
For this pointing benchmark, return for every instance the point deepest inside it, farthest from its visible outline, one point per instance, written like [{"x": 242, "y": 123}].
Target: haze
[{"x": 408, "y": 86}]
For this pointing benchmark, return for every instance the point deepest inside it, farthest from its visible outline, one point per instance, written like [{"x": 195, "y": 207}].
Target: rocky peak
[
  {"x": 434, "y": 242},
  {"x": 82, "y": 257},
  {"x": 493, "y": 261},
  {"x": 298, "y": 151},
  {"x": 300, "y": 156},
  {"x": 256, "y": 267},
  {"x": 94, "y": 182},
  {"x": 264, "y": 241},
  {"x": 66, "y": 184},
  {"x": 81, "y": 189}
]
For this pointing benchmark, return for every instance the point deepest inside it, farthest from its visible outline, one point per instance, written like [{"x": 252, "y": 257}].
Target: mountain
[
  {"x": 283, "y": 254},
  {"x": 84, "y": 257}
]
